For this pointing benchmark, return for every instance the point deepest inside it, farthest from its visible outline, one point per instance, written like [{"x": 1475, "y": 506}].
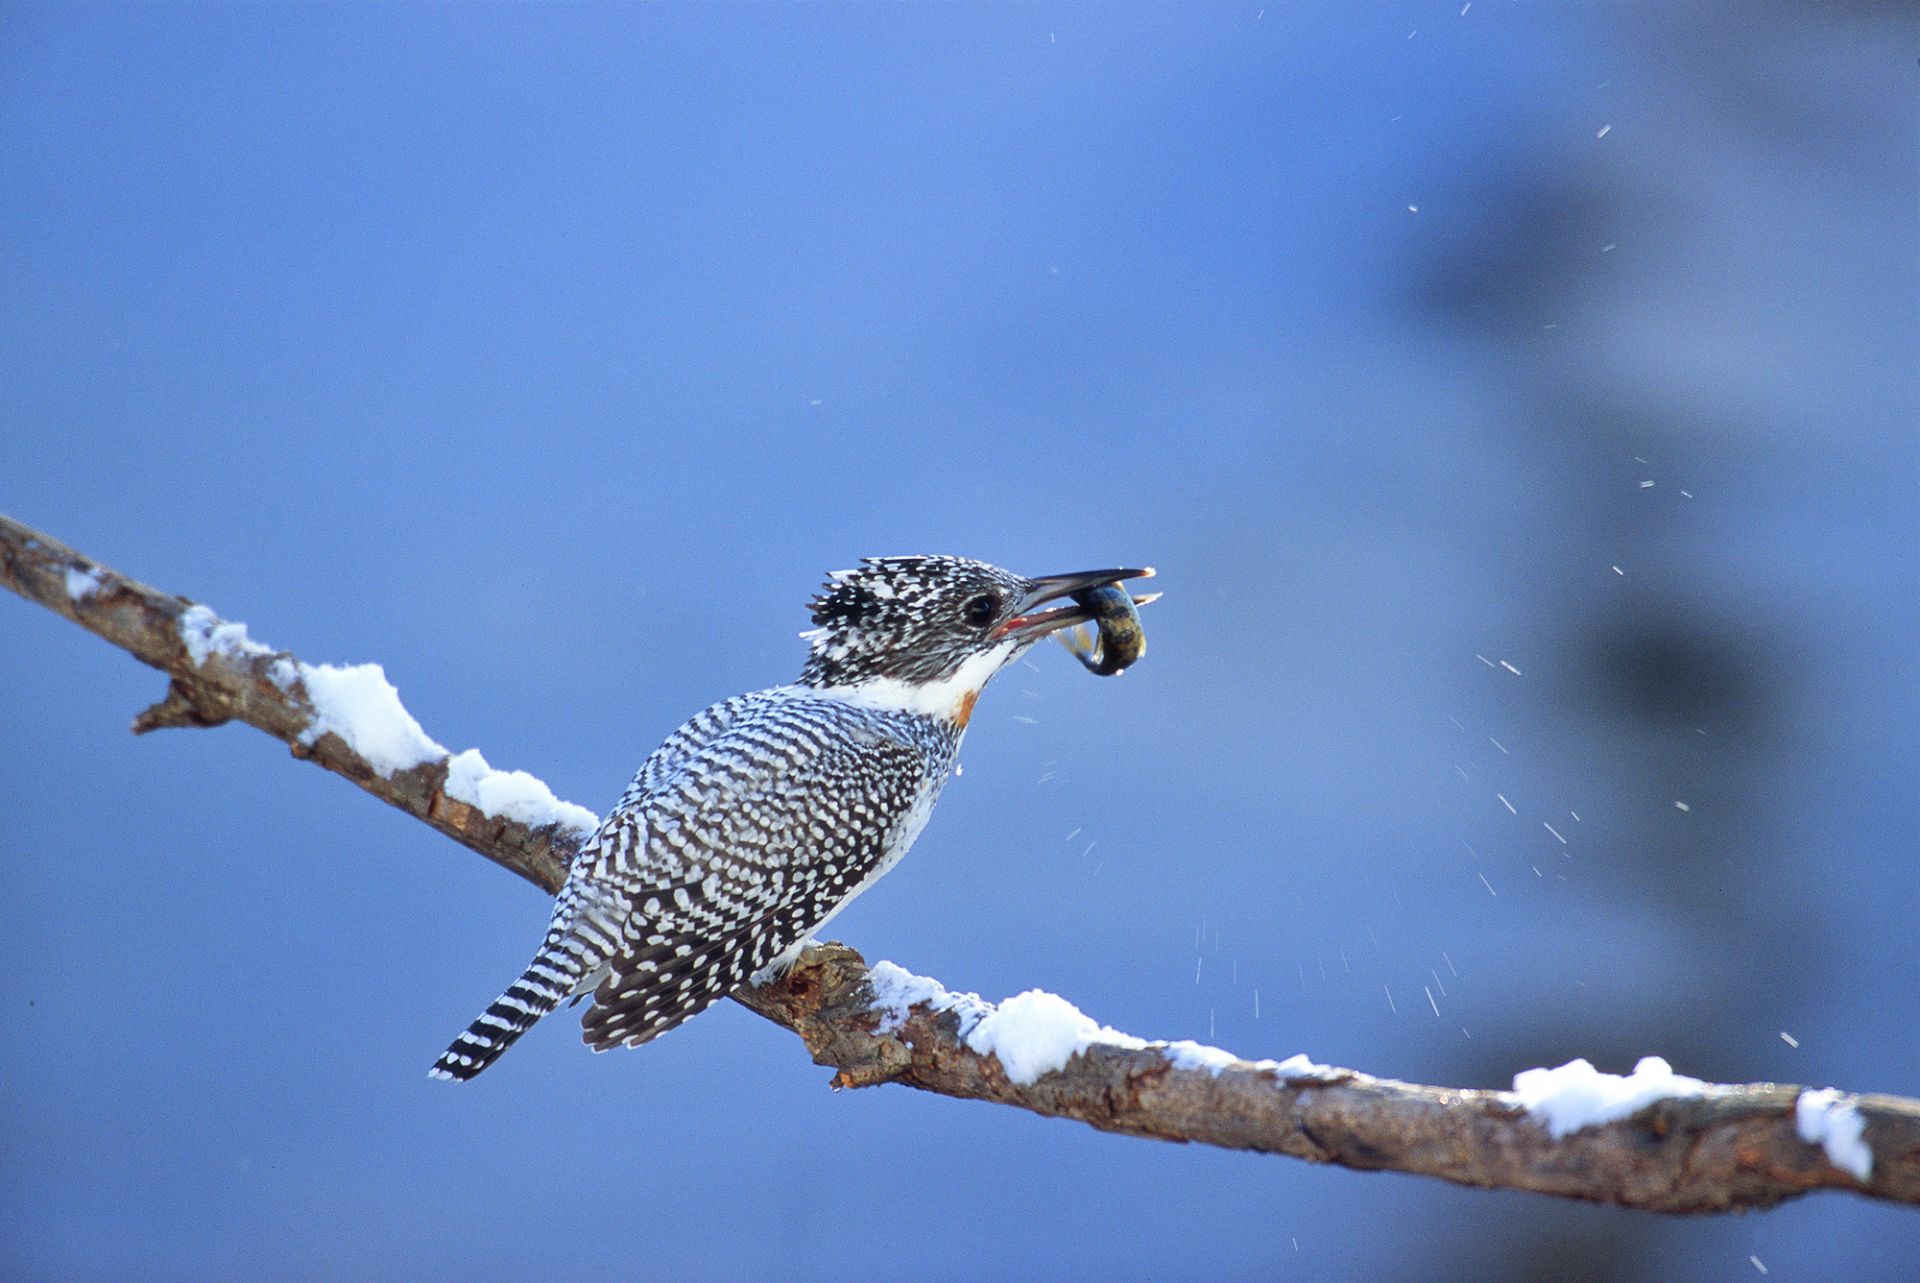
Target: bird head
[{"x": 923, "y": 631}]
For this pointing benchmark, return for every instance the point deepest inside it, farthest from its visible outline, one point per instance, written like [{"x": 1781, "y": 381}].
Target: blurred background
[{"x": 1519, "y": 402}]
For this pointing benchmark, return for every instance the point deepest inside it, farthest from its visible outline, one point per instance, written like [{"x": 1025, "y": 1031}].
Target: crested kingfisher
[{"x": 764, "y": 816}]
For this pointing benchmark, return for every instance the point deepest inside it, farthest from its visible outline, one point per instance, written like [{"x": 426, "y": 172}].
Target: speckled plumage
[{"x": 765, "y": 815}]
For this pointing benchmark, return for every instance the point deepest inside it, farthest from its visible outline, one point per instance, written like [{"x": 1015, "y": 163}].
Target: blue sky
[{"x": 548, "y": 356}]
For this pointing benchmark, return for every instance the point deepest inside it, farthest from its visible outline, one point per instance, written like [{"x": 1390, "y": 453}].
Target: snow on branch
[
  {"x": 1653, "y": 1139},
  {"x": 349, "y": 720}
]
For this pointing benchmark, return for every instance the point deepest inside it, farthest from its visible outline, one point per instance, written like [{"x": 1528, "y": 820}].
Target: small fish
[{"x": 1120, "y": 640}]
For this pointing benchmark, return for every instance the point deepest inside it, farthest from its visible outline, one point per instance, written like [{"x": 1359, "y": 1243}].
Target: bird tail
[{"x": 549, "y": 978}]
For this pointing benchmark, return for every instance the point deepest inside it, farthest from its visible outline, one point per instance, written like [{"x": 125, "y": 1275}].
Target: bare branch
[{"x": 1727, "y": 1148}]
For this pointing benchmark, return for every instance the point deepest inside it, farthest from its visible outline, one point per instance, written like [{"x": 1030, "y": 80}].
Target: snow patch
[
  {"x": 512, "y": 795},
  {"x": 1298, "y": 1067},
  {"x": 206, "y": 634},
  {"x": 1831, "y": 1119},
  {"x": 361, "y": 706},
  {"x": 1216, "y": 1060},
  {"x": 83, "y": 583},
  {"x": 896, "y": 990},
  {"x": 1577, "y": 1095},
  {"x": 1036, "y": 1033},
  {"x": 1194, "y": 1055}
]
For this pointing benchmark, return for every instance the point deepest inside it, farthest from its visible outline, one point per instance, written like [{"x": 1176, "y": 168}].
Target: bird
[{"x": 764, "y": 816}]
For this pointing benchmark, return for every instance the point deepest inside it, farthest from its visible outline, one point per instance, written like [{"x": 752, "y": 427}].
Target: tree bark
[{"x": 1737, "y": 1147}]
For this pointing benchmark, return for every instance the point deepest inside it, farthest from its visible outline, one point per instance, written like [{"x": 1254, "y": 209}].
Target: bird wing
[
  {"x": 683, "y": 746},
  {"x": 748, "y": 845}
]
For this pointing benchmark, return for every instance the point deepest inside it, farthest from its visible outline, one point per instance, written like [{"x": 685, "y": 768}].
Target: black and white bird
[{"x": 764, "y": 816}]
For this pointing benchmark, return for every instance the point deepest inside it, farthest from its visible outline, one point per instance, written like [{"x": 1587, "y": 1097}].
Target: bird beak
[{"x": 1031, "y": 621}]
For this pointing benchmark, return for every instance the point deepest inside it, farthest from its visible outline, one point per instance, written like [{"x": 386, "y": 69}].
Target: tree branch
[{"x": 1714, "y": 1149}]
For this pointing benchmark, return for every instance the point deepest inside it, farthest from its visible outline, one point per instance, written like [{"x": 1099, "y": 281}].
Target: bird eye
[{"x": 982, "y": 609}]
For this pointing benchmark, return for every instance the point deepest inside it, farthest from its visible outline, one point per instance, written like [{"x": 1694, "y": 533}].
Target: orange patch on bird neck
[{"x": 963, "y": 709}]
